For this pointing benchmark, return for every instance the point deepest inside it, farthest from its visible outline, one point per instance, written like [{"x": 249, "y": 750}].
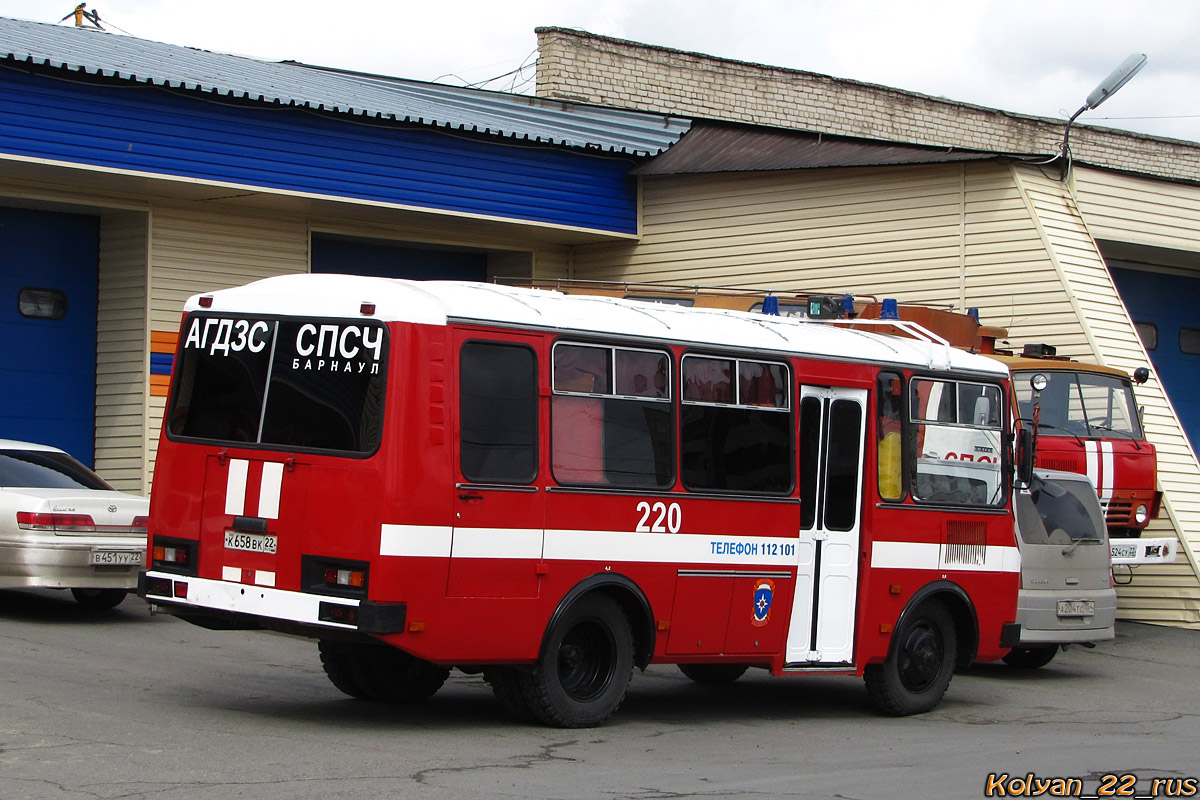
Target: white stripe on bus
[
  {"x": 437, "y": 541},
  {"x": 268, "y": 491},
  {"x": 235, "y": 490}
]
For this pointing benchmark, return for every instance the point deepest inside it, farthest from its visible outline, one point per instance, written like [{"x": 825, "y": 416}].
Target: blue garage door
[
  {"x": 332, "y": 254},
  {"x": 1164, "y": 306},
  {"x": 48, "y": 277}
]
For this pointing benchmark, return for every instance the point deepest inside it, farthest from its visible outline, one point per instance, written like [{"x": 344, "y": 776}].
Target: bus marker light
[
  {"x": 895, "y": 588},
  {"x": 886, "y": 627},
  {"x": 181, "y": 589},
  {"x": 416, "y": 627}
]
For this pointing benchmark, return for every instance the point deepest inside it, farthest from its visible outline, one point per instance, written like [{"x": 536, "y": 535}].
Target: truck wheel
[
  {"x": 380, "y": 672},
  {"x": 585, "y": 667},
  {"x": 714, "y": 674},
  {"x": 920, "y": 665},
  {"x": 1031, "y": 657},
  {"x": 341, "y": 667},
  {"x": 508, "y": 688},
  {"x": 99, "y": 599}
]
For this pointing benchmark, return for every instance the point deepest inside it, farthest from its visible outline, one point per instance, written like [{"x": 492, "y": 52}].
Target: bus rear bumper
[{"x": 225, "y": 604}]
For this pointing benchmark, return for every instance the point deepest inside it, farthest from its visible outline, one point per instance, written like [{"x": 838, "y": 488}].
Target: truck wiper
[
  {"x": 1107, "y": 429},
  {"x": 1070, "y": 549}
]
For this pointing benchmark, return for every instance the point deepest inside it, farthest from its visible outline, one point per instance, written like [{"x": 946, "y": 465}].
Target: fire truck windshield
[
  {"x": 1080, "y": 404},
  {"x": 294, "y": 384}
]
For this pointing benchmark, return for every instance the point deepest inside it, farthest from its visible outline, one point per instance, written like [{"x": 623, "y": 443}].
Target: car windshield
[
  {"x": 45, "y": 469},
  {"x": 1082, "y": 404}
]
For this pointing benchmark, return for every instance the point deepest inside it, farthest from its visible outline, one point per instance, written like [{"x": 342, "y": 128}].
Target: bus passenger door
[{"x": 832, "y": 429}]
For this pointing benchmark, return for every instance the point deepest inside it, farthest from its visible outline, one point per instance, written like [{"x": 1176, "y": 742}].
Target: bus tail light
[
  {"x": 173, "y": 555},
  {"x": 334, "y": 576},
  {"x": 345, "y": 577}
]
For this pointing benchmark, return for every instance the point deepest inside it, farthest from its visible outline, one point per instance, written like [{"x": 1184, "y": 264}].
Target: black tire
[
  {"x": 714, "y": 674},
  {"x": 508, "y": 688},
  {"x": 1031, "y": 657},
  {"x": 920, "y": 665},
  {"x": 99, "y": 599},
  {"x": 583, "y": 672},
  {"x": 380, "y": 673}
]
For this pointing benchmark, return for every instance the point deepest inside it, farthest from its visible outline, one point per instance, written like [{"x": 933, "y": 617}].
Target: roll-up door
[{"x": 48, "y": 290}]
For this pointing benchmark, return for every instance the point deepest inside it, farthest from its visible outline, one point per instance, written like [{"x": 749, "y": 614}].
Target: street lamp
[{"x": 1107, "y": 88}]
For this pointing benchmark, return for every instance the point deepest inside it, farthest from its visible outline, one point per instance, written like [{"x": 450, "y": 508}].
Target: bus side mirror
[{"x": 1024, "y": 477}]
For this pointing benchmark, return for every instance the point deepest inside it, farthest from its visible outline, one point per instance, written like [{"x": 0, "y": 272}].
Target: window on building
[
  {"x": 1148, "y": 333},
  {"x": 34, "y": 303},
  {"x": 1189, "y": 341}
]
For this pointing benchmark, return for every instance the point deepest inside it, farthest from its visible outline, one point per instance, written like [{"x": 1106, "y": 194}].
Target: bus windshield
[
  {"x": 314, "y": 384},
  {"x": 1081, "y": 404}
]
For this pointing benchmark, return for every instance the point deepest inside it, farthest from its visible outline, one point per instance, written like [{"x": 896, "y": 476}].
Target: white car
[{"x": 63, "y": 527}]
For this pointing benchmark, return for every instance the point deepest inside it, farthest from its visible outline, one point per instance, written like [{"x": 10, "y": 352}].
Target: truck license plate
[
  {"x": 1076, "y": 608},
  {"x": 251, "y": 542},
  {"x": 1123, "y": 550}
]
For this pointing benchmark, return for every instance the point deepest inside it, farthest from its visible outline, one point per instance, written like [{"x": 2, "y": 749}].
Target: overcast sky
[{"x": 1039, "y": 57}]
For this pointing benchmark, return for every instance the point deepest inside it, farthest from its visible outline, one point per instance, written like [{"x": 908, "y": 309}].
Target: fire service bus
[{"x": 553, "y": 490}]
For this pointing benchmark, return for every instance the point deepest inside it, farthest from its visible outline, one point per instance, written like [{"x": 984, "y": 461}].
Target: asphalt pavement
[{"x": 126, "y": 705}]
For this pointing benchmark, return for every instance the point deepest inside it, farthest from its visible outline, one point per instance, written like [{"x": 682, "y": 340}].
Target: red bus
[{"x": 556, "y": 489}]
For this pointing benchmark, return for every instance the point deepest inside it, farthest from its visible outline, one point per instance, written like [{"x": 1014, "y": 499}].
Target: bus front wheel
[
  {"x": 583, "y": 672},
  {"x": 919, "y": 666}
]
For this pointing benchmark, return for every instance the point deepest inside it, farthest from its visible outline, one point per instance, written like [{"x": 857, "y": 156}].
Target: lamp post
[{"x": 1107, "y": 88}]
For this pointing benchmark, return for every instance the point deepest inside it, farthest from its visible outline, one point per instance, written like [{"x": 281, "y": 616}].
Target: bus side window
[
  {"x": 498, "y": 413},
  {"x": 890, "y": 419}
]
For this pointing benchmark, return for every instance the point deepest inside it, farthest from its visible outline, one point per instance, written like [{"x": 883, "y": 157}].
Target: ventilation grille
[{"x": 966, "y": 543}]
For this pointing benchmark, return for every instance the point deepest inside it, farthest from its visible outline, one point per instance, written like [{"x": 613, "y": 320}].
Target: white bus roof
[{"x": 442, "y": 302}]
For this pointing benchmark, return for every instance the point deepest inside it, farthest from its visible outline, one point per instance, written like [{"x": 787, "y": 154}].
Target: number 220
[{"x": 667, "y": 518}]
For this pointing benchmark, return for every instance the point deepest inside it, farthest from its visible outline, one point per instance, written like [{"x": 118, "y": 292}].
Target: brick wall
[{"x": 579, "y": 66}]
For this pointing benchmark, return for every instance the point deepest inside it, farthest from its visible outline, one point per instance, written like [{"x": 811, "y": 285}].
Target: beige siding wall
[
  {"x": 196, "y": 250},
  {"x": 1126, "y": 208},
  {"x": 121, "y": 350}
]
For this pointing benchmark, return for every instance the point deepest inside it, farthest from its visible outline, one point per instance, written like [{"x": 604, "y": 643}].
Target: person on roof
[{"x": 81, "y": 14}]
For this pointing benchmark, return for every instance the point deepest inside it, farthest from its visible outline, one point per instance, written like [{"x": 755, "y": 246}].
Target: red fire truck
[{"x": 554, "y": 489}]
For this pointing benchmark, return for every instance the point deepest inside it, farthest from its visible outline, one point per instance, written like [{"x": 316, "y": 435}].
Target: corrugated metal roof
[
  {"x": 719, "y": 147},
  {"x": 93, "y": 52}
]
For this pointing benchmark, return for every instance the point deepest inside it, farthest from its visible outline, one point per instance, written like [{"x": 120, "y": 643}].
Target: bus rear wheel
[
  {"x": 583, "y": 672},
  {"x": 919, "y": 667},
  {"x": 714, "y": 674},
  {"x": 380, "y": 673}
]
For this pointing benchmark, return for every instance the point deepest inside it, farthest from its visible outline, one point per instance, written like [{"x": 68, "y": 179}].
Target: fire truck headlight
[{"x": 1141, "y": 514}]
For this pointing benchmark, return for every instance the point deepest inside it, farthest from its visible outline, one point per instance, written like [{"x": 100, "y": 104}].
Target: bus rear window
[{"x": 313, "y": 384}]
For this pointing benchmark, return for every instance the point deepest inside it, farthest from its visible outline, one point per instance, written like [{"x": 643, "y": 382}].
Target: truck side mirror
[
  {"x": 1025, "y": 454},
  {"x": 1141, "y": 375}
]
